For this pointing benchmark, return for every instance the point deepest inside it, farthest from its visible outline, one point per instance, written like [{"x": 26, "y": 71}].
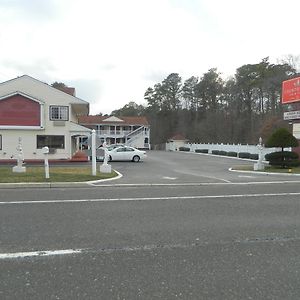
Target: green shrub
[
  {"x": 282, "y": 138},
  {"x": 254, "y": 156},
  {"x": 201, "y": 150},
  {"x": 285, "y": 164},
  {"x": 232, "y": 154},
  {"x": 285, "y": 159},
  {"x": 280, "y": 154},
  {"x": 184, "y": 149},
  {"x": 244, "y": 155},
  {"x": 224, "y": 153},
  {"x": 215, "y": 152}
]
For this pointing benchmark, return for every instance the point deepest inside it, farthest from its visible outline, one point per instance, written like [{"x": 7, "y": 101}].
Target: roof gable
[
  {"x": 112, "y": 119},
  {"x": 36, "y": 88}
]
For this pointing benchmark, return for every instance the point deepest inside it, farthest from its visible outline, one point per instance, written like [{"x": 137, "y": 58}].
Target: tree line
[{"x": 210, "y": 109}]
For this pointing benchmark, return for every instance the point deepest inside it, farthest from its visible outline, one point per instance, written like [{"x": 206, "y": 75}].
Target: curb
[{"x": 263, "y": 173}]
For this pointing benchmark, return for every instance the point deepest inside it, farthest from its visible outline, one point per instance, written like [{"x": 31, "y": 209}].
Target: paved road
[{"x": 189, "y": 230}]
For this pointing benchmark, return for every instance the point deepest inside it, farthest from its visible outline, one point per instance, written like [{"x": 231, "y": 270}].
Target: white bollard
[
  {"x": 93, "y": 146},
  {"x": 45, "y": 151}
]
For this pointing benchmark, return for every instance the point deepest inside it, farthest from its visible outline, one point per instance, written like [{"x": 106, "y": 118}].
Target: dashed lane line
[
  {"x": 39, "y": 253},
  {"x": 147, "y": 247}
]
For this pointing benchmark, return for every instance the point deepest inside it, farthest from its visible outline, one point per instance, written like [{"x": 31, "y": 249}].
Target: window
[
  {"x": 0, "y": 142},
  {"x": 60, "y": 113},
  {"x": 51, "y": 141}
]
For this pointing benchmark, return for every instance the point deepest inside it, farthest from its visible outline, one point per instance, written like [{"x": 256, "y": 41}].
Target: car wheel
[{"x": 136, "y": 158}]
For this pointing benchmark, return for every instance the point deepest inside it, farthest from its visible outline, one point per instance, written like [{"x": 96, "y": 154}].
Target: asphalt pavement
[{"x": 177, "y": 226}]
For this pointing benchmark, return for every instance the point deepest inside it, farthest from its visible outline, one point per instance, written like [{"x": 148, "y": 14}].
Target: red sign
[{"x": 291, "y": 90}]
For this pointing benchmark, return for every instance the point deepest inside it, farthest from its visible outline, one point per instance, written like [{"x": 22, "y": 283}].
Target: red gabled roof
[
  {"x": 69, "y": 90},
  {"x": 101, "y": 120}
]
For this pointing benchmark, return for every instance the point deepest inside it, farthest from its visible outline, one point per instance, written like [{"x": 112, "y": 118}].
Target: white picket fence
[{"x": 252, "y": 149}]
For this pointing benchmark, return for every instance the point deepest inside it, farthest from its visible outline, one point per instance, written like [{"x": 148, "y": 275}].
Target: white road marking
[
  {"x": 39, "y": 253},
  {"x": 148, "y": 198},
  {"x": 169, "y": 178},
  {"x": 201, "y": 175},
  {"x": 195, "y": 183}
]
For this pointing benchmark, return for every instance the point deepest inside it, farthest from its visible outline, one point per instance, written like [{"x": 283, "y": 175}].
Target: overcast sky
[{"x": 111, "y": 51}]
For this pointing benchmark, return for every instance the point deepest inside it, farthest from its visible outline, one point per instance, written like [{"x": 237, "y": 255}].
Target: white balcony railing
[{"x": 107, "y": 132}]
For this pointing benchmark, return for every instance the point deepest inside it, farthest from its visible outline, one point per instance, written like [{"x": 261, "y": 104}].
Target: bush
[
  {"x": 244, "y": 155},
  {"x": 201, "y": 150},
  {"x": 282, "y": 138},
  {"x": 254, "y": 156},
  {"x": 280, "y": 154},
  {"x": 224, "y": 153},
  {"x": 232, "y": 154},
  {"x": 184, "y": 149},
  {"x": 285, "y": 164},
  {"x": 215, "y": 152},
  {"x": 285, "y": 159}
]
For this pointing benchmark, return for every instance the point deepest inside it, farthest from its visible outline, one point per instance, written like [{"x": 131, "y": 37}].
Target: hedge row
[
  {"x": 235, "y": 154},
  {"x": 283, "y": 159},
  {"x": 201, "y": 150},
  {"x": 184, "y": 149},
  {"x": 224, "y": 153}
]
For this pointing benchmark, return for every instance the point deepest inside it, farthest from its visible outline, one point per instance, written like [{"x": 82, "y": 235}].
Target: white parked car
[{"x": 126, "y": 153}]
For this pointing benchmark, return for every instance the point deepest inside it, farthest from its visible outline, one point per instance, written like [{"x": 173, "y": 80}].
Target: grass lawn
[
  {"x": 57, "y": 174},
  {"x": 295, "y": 170}
]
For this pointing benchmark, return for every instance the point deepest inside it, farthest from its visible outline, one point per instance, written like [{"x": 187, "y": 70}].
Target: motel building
[{"x": 131, "y": 131}]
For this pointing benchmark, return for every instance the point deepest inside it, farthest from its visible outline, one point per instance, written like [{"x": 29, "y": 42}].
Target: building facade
[
  {"x": 39, "y": 115},
  {"x": 132, "y": 131}
]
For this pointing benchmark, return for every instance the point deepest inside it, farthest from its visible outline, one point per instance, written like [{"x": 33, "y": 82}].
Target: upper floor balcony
[
  {"x": 112, "y": 133},
  {"x": 116, "y": 132}
]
